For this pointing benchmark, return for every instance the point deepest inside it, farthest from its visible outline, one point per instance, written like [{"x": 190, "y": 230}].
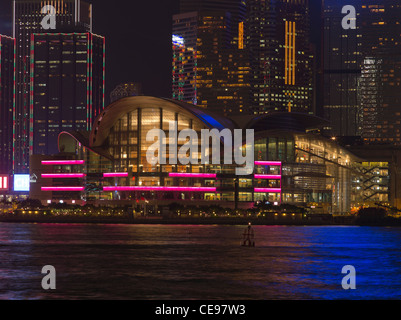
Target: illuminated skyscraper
[
  {"x": 67, "y": 86},
  {"x": 281, "y": 58},
  {"x": 342, "y": 69},
  {"x": 210, "y": 65},
  {"x": 27, "y": 18},
  {"x": 380, "y": 92},
  {"x": 7, "y": 92}
]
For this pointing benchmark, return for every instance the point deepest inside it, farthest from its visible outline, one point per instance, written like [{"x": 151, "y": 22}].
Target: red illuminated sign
[{"x": 4, "y": 182}]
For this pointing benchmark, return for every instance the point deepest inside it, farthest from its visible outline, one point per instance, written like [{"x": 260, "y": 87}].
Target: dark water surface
[{"x": 198, "y": 262}]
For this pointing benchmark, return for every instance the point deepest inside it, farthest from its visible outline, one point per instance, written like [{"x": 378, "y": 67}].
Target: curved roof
[
  {"x": 211, "y": 119},
  {"x": 112, "y": 113}
]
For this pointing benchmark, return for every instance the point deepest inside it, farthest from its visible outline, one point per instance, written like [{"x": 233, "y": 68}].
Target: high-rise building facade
[
  {"x": 67, "y": 86},
  {"x": 342, "y": 69},
  {"x": 380, "y": 94},
  {"x": 281, "y": 59},
  {"x": 210, "y": 65},
  {"x": 7, "y": 100},
  {"x": 27, "y": 18}
]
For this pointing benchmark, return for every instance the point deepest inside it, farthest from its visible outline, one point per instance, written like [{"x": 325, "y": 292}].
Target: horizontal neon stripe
[
  {"x": 268, "y": 163},
  {"x": 62, "y": 188},
  {"x": 267, "y": 176},
  {"x": 61, "y": 162},
  {"x": 192, "y": 175},
  {"x": 63, "y": 175},
  {"x": 266, "y": 190},
  {"x": 159, "y": 188},
  {"x": 115, "y": 174}
]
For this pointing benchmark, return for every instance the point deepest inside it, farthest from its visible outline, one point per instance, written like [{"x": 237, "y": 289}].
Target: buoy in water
[{"x": 248, "y": 237}]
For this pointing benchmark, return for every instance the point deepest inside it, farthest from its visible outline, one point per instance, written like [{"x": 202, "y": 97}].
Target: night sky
[{"x": 138, "y": 40}]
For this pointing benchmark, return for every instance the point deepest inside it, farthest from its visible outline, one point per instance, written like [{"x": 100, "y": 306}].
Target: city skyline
[
  {"x": 147, "y": 148},
  {"x": 154, "y": 34}
]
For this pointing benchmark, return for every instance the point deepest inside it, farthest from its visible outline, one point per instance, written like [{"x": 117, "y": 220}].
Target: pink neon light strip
[
  {"x": 192, "y": 175},
  {"x": 62, "y": 188},
  {"x": 160, "y": 188},
  {"x": 61, "y": 162},
  {"x": 267, "y": 176},
  {"x": 266, "y": 190},
  {"x": 63, "y": 175},
  {"x": 268, "y": 163},
  {"x": 115, "y": 174}
]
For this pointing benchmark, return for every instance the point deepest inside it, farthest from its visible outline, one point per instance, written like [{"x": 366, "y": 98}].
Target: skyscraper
[
  {"x": 281, "y": 59},
  {"x": 342, "y": 69},
  {"x": 27, "y": 18},
  {"x": 67, "y": 86},
  {"x": 210, "y": 65},
  {"x": 7, "y": 99},
  {"x": 380, "y": 94}
]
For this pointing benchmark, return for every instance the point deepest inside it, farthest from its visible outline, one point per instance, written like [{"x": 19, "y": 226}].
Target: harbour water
[{"x": 172, "y": 262}]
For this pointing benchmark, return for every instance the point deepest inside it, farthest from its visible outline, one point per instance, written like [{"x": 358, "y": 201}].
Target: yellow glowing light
[{"x": 241, "y": 35}]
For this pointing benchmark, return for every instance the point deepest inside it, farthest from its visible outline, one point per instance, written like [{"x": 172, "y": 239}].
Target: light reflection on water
[{"x": 198, "y": 262}]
